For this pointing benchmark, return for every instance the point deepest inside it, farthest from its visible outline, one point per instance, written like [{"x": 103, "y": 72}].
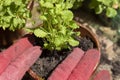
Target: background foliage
[{"x": 13, "y": 14}]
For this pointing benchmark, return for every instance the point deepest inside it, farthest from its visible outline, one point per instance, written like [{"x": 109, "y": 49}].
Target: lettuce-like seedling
[
  {"x": 13, "y": 14},
  {"x": 108, "y": 6},
  {"x": 58, "y": 26}
]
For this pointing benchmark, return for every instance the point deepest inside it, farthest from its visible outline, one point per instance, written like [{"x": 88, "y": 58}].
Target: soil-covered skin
[{"x": 50, "y": 59}]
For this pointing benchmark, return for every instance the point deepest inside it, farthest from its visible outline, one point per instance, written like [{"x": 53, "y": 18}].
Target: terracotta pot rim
[{"x": 92, "y": 35}]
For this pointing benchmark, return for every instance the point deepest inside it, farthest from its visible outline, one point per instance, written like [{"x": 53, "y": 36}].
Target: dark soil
[
  {"x": 50, "y": 59},
  {"x": 85, "y": 43}
]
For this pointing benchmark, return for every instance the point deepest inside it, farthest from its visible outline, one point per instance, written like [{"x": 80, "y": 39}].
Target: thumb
[{"x": 17, "y": 68}]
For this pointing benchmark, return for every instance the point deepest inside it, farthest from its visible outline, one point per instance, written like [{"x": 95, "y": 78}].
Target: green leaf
[
  {"x": 77, "y": 33},
  {"x": 54, "y": 21},
  {"x": 93, "y": 4},
  {"x": 1, "y": 7},
  {"x": 40, "y": 33},
  {"x": 48, "y": 5},
  {"x": 15, "y": 22},
  {"x": 67, "y": 15},
  {"x": 7, "y": 2},
  {"x": 29, "y": 30},
  {"x": 105, "y": 2},
  {"x": 45, "y": 44},
  {"x": 18, "y": 2},
  {"x": 7, "y": 19},
  {"x": 99, "y": 9},
  {"x": 69, "y": 5},
  {"x": 58, "y": 8},
  {"x": 6, "y": 25},
  {"x": 58, "y": 48},
  {"x": 110, "y": 12},
  {"x": 115, "y": 1},
  {"x": 42, "y": 17},
  {"x": 73, "y": 42},
  {"x": 73, "y": 25},
  {"x": 63, "y": 30},
  {"x": 54, "y": 1},
  {"x": 57, "y": 41},
  {"x": 11, "y": 27},
  {"x": 9, "y": 12},
  {"x": 51, "y": 11}
]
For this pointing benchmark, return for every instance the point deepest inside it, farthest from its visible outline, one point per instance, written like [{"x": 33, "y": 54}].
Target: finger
[
  {"x": 13, "y": 51},
  {"x": 86, "y": 66},
  {"x": 103, "y": 75},
  {"x": 17, "y": 68},
  {"x": 64, "y": 69}
]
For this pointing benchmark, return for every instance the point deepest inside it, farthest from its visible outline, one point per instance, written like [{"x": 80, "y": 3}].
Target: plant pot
[{"x": 84, "y": 32}]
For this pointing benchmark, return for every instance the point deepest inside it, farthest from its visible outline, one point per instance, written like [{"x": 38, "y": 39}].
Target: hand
[
  {"x": 17, "y": 59},
  {"x": 80, "y": 65}
]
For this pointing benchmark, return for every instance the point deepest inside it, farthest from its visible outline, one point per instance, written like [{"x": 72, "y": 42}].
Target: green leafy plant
[
  {"x": 13, "y": 14},
  {"x": 58, "y": 26},
  {"x": 107, "y": 6}
]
